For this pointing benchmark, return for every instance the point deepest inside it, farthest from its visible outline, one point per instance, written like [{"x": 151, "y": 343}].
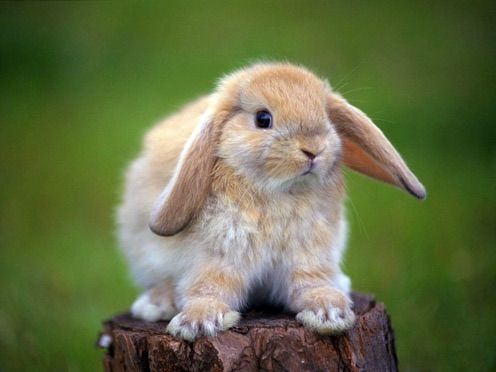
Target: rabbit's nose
[{"x": 309, "y": 154}]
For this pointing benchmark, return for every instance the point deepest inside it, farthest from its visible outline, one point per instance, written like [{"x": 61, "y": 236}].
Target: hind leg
[
  {"x": 343, "y": 283},
  {"x": 157, "y": 303}
]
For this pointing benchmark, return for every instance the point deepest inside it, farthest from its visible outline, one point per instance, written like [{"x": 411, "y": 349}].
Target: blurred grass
[{"x": 81, "y": 82}]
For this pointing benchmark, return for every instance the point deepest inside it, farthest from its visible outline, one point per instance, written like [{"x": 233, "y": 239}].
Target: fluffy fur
[{"x": 218, "y": 213}]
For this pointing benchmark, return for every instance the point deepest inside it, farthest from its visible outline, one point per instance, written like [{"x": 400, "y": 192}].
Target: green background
[{"x": 81, "y": 82}]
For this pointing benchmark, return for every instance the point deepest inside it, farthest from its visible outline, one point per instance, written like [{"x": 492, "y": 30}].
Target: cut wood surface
[{"x": 260, "y": 342}]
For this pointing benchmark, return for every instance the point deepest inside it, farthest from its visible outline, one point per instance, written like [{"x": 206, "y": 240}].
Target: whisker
[
  {"x": 347, "y": 77},
  {"x": 361, "y": 225},
  {"x": 376, "y": 119},
  {"x": 356, "y": 90}
]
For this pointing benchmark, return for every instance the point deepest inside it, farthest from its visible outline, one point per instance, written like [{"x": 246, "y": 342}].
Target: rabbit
[{"x": 239, "y": 198}]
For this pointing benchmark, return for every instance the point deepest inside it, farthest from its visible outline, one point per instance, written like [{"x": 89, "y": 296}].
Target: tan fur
[
  {"x": 243, "y": 210},
  {"x": 201, "y": 307},
  {"x": 164, "y": 142},
  {"x": 191, "y": 185},
  {"x": 238, "y": 191},
  {"x": 322, "y": 297},
  {"x": 163, "y": 290},
  {"x": 215, "y": 284},
  {"x": 315, "y": 274},
  {"x": 367, "y": 150}
]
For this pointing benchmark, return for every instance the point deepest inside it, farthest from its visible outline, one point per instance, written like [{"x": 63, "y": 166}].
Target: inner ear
[
  {"x": 357, "y": 159},
  {"x": 367, "y": 150}
]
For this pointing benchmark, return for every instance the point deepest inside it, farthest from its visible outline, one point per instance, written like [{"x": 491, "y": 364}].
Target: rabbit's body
[
  {"x": 275, "y": 234},
  {"x": 145, "y": 180}
]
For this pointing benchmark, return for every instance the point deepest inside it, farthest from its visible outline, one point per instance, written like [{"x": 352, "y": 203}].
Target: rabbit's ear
[
  {"x": 367, "y": 150},
  {"x": 189, "y": 186}
]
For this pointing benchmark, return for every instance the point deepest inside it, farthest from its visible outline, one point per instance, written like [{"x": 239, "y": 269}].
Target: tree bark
[{"x": 260, "y": 342}]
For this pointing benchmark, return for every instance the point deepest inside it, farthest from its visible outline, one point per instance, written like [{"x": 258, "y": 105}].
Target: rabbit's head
[
  {"x": 280, "y": 127},
  {"x": 281, "y": 135}
]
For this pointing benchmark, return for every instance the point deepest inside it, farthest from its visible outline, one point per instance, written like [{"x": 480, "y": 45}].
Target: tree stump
[{"x": 260, "y": 342}]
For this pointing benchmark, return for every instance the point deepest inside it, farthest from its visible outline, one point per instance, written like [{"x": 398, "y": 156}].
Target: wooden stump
[{"x": 266, "y": 342}]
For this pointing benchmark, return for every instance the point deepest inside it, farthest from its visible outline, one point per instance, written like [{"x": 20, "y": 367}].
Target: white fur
[
  {"x": 147, "y": 309},
  {"x": 167, "y": 190},
  {"x": 189, "y": 331},
  {"x": 331, "y": 321},
  {"x": 105, "y": 341}
]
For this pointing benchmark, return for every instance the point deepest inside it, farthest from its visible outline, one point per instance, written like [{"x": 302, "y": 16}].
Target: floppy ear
[
  {"x": 367, "y": 150},
  {"x": 186, "y": 192}
]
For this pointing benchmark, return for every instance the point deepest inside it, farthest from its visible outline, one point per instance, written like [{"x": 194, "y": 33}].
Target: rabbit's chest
[
  {"x": 292, "y": 228},
  {"x": 277, "y": 231}
]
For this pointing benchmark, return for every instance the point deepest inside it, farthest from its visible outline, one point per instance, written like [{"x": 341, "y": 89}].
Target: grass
[{"x": 81, "y": 82}]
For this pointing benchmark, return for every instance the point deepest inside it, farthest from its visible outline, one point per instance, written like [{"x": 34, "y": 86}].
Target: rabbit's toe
[
  {"x": 202, "y": 317},
  {"x": 326, "y": 310},
  {"x": 332, "y": 320}
]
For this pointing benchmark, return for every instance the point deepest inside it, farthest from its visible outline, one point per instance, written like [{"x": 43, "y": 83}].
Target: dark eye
[{"x": 263, "y": 119}]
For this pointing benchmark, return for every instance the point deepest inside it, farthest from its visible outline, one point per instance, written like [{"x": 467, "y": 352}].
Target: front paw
[
  {"x": 202, "y": 316},
  {"x": 327, "y": 311}
]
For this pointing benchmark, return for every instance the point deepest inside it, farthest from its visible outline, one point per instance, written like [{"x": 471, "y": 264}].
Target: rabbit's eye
[{"x": 263, "y": 119}]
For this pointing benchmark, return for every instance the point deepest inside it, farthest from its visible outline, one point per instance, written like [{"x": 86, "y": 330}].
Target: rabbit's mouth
[{"x": 311, "y": 166}]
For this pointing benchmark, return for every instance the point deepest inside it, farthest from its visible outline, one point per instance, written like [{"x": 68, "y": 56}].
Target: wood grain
[{"x": 262, "y": 341}]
